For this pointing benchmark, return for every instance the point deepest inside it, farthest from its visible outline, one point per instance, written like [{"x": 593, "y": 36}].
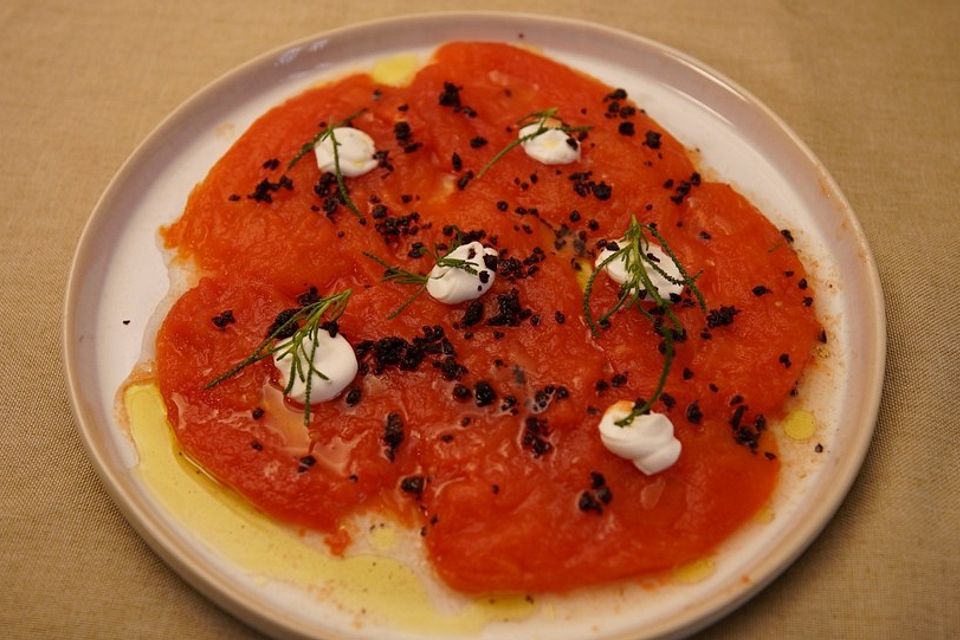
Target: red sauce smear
[{"x": 496, "y": 513}]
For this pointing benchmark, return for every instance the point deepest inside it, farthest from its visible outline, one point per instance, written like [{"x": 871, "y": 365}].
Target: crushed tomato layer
[{"x": 499, "y": 418}]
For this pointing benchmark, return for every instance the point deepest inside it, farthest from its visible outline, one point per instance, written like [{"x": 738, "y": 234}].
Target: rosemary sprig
[
  {"x": 314, "y": 315},
  {"x": 539, "y": 117},
  {"x": 310, "y": 145},
  {"x": 632, "y": 250},
  {"x": 393, "y": 273}
]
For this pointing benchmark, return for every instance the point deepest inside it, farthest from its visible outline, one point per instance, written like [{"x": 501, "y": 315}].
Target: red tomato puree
[{"x": 499, "y": 418}]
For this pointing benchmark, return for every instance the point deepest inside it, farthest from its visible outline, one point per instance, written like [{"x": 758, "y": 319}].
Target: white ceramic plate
[{"x": 119, "y": 274}]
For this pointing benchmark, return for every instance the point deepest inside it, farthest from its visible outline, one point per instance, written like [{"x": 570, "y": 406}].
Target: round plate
[{"x": 119, "y": 277}]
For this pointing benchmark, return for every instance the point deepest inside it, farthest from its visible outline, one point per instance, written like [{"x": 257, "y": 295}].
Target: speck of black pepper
[
  {"x": 256, "y": 446},
  {"x": 789, "y": 274},
  {"x": 306, "y": 462},
  {"x": 495, "y": 489},
  {"x": 234, "y": 197},
  {"x": 403, "y": 107},
  {"x": 412, "y": 485},
  {"x": 818, "y": 448},
  {"x": 353, "y": 396}
]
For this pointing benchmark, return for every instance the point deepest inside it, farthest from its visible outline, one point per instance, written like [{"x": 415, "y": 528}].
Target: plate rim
[{"x": 247, "y": 609}]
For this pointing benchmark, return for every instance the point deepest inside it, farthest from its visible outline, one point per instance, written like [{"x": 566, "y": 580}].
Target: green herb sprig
[
  {"x": 541, "y": 118},
  {"x": 310, "y": 145},
  {"x": 393, "y": 273},
  {"x": 633, "y": 250},
  {"x": 314, "y": 315}
]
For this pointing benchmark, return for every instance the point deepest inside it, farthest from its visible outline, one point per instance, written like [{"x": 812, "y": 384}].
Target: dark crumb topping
[
  {"x": 450, "y": 97},
  {"x": 234, "y": 197},
  {"x": 376, "y": 356},
  {"x": 822, "y": 336},
  {"x": 626, "y": 129},
  {"x": 477, "y": 142},
  {"x": 784, "y": 359},
  {"x": 588, "y": 502},
  {"x": 484, "y": 394},
  {"x": 461, "y": 392},
  {"x": 464, "y": 180},
  {"x": 559, "y": 317},
  {"x": 668, "y": 400},
  {"x": 271, "y": 164},
  {"x": 392, "y": 435},
  {"x": 456, "y": 162},
  {"x": 787, "y": 235},
  {"x": 473, "y": 314},
  {"x": 616, "y": 94},
  {"x": 510, "y": 313},
  {"x": 687, "y": 374},
  {"x": 502, "y": 205},
  {"x": 694, "y": 414},
  {"x": 256, "y": 446},
  {"x": 282, "y": 320},
  {"x": 760, "y": 290},
  {"x": 412, "y": 485},
  {"x": 257, "y": 413},
  {"x": 818, "y": 448},
  {"x": 534, "y": 437},
  {"x": 652, "y": 139},
  {"x": 264, "y": 189},
  {"x": 721, "y": 317},
  {"x": 808, "y": 301},
  {"x": 769, "y": 455},
  {"x": 224, "y": 318}
]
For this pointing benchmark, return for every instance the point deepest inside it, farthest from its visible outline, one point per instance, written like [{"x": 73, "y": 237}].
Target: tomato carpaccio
[{"x": 496, "y": 513}]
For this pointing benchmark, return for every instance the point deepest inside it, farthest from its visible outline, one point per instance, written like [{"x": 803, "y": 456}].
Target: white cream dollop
[
  {"x": 648, "y": 441},
  {"x": 617, "y": 269},
  {"x": 355, "y": 151},
  {"x": 452, "y": 285},
  {"x": 554, "y": 146},
  {"x": 334, "y": 357}
]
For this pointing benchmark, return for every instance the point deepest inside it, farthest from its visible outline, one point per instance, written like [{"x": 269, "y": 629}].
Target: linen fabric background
[{"x": 872, "y": 87}]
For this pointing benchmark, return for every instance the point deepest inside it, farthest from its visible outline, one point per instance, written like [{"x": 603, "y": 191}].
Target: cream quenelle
[
  {"x": 355, "y": 151},
  {"x": 333, "y": 357},
  {"x": 617, "y": 269},
  {"x": 451, "y": 284},
  {"x": 553, "y": 146},
  {"x": 648, "y": 440}
]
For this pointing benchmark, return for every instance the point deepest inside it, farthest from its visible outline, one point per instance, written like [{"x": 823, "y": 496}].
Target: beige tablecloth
[{"x": 873, "y": 88}]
